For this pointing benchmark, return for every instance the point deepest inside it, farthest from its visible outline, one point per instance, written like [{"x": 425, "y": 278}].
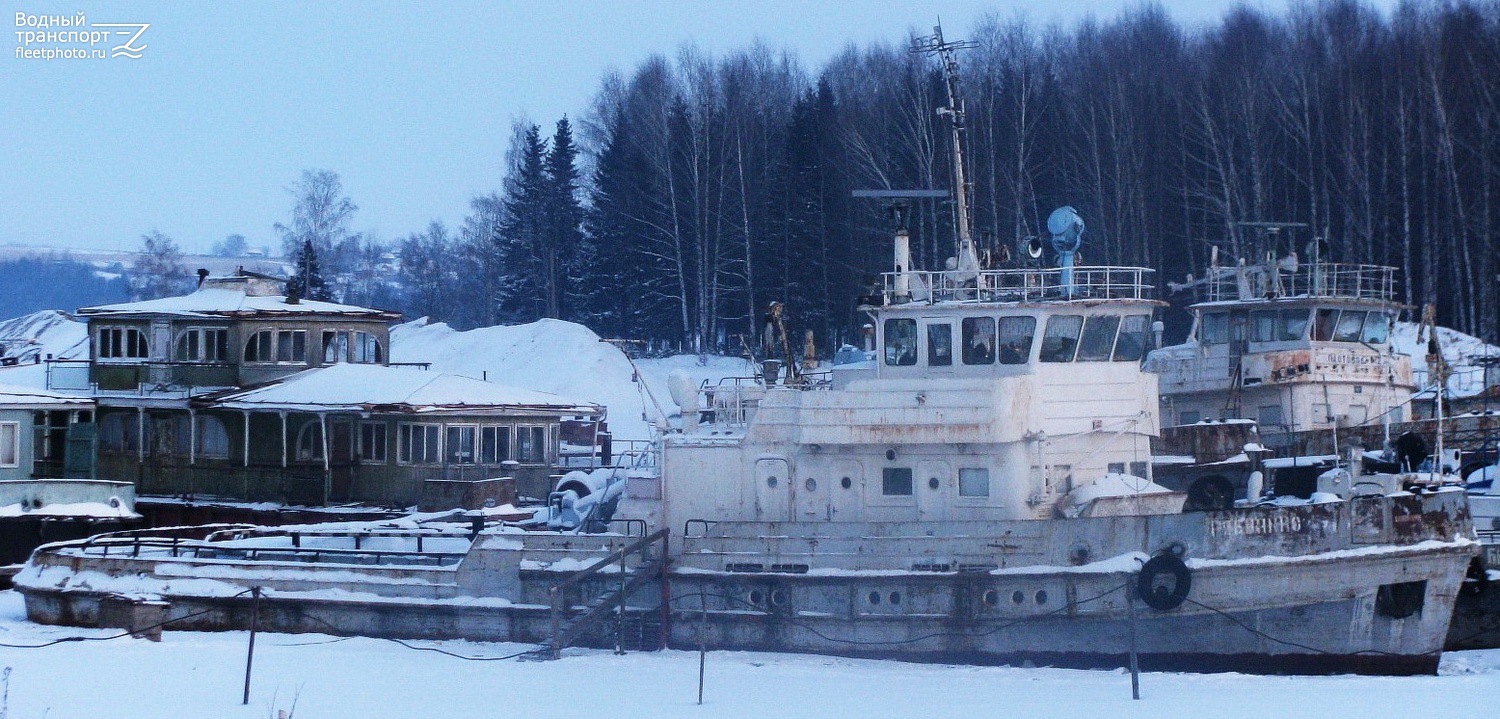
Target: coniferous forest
[{"x": 696, "y": 189}]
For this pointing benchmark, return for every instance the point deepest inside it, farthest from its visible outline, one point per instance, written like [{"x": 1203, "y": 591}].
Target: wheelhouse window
[
  {"x": 1213, "y": 328},
  {"x": 900, "y": 342},
  {"x": 367, "y": 348},
  {"x": 1131, "y": 346},
  {"x": 531, "y": 445},
  {"x": 460, "y": 445},
  {"x": 122, "y": 343},
  {"x": 418, "y": 444},
  {"x": 1377, "y": 328},
  {"x": 494, "y": 445},
  {"x": 979, "y": 340},
  {"x": 1060, "y": 339},
  {"x": 973, "y": 482},
  {"x": 372, "y": 442},
  {"x": 896, "y": 481},
  {"x": 1263, "y": 325},
  {"x": 940, "y": 345},
  {"x": 1324, "y": 324},
  {"x": 1015, "y": 339},
  {"x": 1292, "y": 325},
  {"x": 1098, "y": 338},
  {"x": 203, "y": 344},
  {"x": 1349, "y": 326}
]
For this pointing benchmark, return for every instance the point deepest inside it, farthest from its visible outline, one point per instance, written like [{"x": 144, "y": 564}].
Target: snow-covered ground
[{"x": 192, "y": 674}]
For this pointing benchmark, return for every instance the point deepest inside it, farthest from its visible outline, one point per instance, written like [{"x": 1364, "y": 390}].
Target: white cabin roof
[{"x": 354, "y": 387}]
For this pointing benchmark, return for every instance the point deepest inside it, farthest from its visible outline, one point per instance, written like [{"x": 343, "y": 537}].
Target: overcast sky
[{"x": 410, "y": 103}]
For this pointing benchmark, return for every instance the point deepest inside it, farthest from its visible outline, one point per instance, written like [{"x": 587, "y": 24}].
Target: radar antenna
[{"x": 934, "y": 44}]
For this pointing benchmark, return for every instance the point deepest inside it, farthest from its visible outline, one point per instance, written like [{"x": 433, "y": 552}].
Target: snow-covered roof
[
  {"x": 218, "y": 301},
  {"x": 13, "y": 396},
  {"x": 363, "y": 388}
]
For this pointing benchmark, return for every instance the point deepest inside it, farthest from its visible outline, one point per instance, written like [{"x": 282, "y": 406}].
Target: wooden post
[{"x": 250, "y": 654}]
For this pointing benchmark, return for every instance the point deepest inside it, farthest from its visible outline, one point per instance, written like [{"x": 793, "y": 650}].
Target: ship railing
[
  {"x": 1019, "y": 285},
  {"x": 212, "y": 542},
  {"x": 1322, "y": 279},
  {"x": 731, "y": 401}
]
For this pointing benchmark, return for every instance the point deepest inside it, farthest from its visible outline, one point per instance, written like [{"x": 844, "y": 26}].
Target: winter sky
[{"x": 410, "y": 103}]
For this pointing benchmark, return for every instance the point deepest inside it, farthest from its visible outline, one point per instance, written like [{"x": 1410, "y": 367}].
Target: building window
[
  {"x": 291, "y": 346},
  {"x": 531, "y": 445},
  {"x": 895, "y": 481},
  {"x": 258, "y": 348},
  {"x": 940, "y": 345},
  {"x": 460, "y": 445},
  {"x": 202, "y": 344},
  {"x": 979, "y": 340},
  {"x": 335, "y": 346},
  {"x": 1060, "y": 339},
  {"x": 213, "y": 440},
  {"x": 973, "y": 482},
  {"x": 372, "y": 442},
  {"x": 418, "y": 444},
  {"x": 901, "y": 342},
  {"x": 1270, "y": 416},
  {"x": 1098, "y": 338},
  {"x": 310, "y": 442},
  {"x": 1189, "y": 417},
  {"x": 120, "y": 433},
  {"x": 494, "y": 445},
  {"x": 366, "y": 348},
  {"x": 10, "y": 444},
  {"x": 122, "y": 343}
]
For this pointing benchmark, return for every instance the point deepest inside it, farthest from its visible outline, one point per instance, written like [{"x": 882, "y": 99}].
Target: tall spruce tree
[
  {"x": 307, "y": 274},
  {"x": 523, "y": 228}
]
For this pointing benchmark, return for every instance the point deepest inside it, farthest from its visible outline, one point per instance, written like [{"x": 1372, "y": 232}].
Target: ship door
[
  {"x": 844, "y": 490},
  {"x": 773, "y": 490},
  {"x": 933, "y": 483}
]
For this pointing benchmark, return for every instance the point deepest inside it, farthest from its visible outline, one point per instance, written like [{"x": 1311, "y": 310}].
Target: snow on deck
[
  {"x": 195, "y": 674},
  {"x": 355, "y": 387},
  {"x": 209, "y": 301}
]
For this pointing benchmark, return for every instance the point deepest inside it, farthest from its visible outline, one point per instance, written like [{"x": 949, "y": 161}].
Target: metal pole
[
  {"x": 702, "y": 639},
  {"x": 250, "y": 655},
  {"x": 620, "y": 632},
  {"x": 1135, "y": 665}
]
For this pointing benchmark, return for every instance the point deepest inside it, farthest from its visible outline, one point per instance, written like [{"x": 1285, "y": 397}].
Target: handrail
[{"x": 649, "y": 569}]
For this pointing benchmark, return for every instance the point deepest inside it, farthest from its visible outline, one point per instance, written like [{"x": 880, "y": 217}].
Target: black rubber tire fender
[{"x": 1164, "y": 582}]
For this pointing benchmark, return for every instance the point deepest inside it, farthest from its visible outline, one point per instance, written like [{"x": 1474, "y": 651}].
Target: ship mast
[{"x": 968, "y": 259}]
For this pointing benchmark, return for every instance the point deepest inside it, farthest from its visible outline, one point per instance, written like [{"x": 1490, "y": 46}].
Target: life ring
[{"x": 1164, "y": 582}]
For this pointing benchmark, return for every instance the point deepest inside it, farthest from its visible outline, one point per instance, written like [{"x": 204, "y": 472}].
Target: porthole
[
  {"x": 890, "y": 454},
  {"x": 874, "y": 597},
  {"x": 771, "y": 481},
  {"x": 778, "y": 597},
  {"x": 1017, "y": 597},
  {"x": 933, "y": 483},
  {"x": 846, "y": 483},
  {"x": 756, "y": 597},
  {"x": 114, "y": 502},
  {"x": 1041, "y": 596},
  {"x": 991, "y": 597},
  {"x": 811, "y": 484},
  {"x": 895, "y": 597}
]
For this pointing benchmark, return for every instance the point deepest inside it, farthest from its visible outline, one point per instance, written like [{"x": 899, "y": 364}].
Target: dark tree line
[{"x": 718, "y": 185}]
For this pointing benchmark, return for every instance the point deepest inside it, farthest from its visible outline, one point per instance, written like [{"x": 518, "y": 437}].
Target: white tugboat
[{"x": 978, "y": 489}]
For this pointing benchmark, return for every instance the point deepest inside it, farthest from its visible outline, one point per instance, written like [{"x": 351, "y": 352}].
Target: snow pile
[
  {"x": 562, "y": 358},
  {"x": 1459, "y": 350},
  {"x": 36, "y": 336}
]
